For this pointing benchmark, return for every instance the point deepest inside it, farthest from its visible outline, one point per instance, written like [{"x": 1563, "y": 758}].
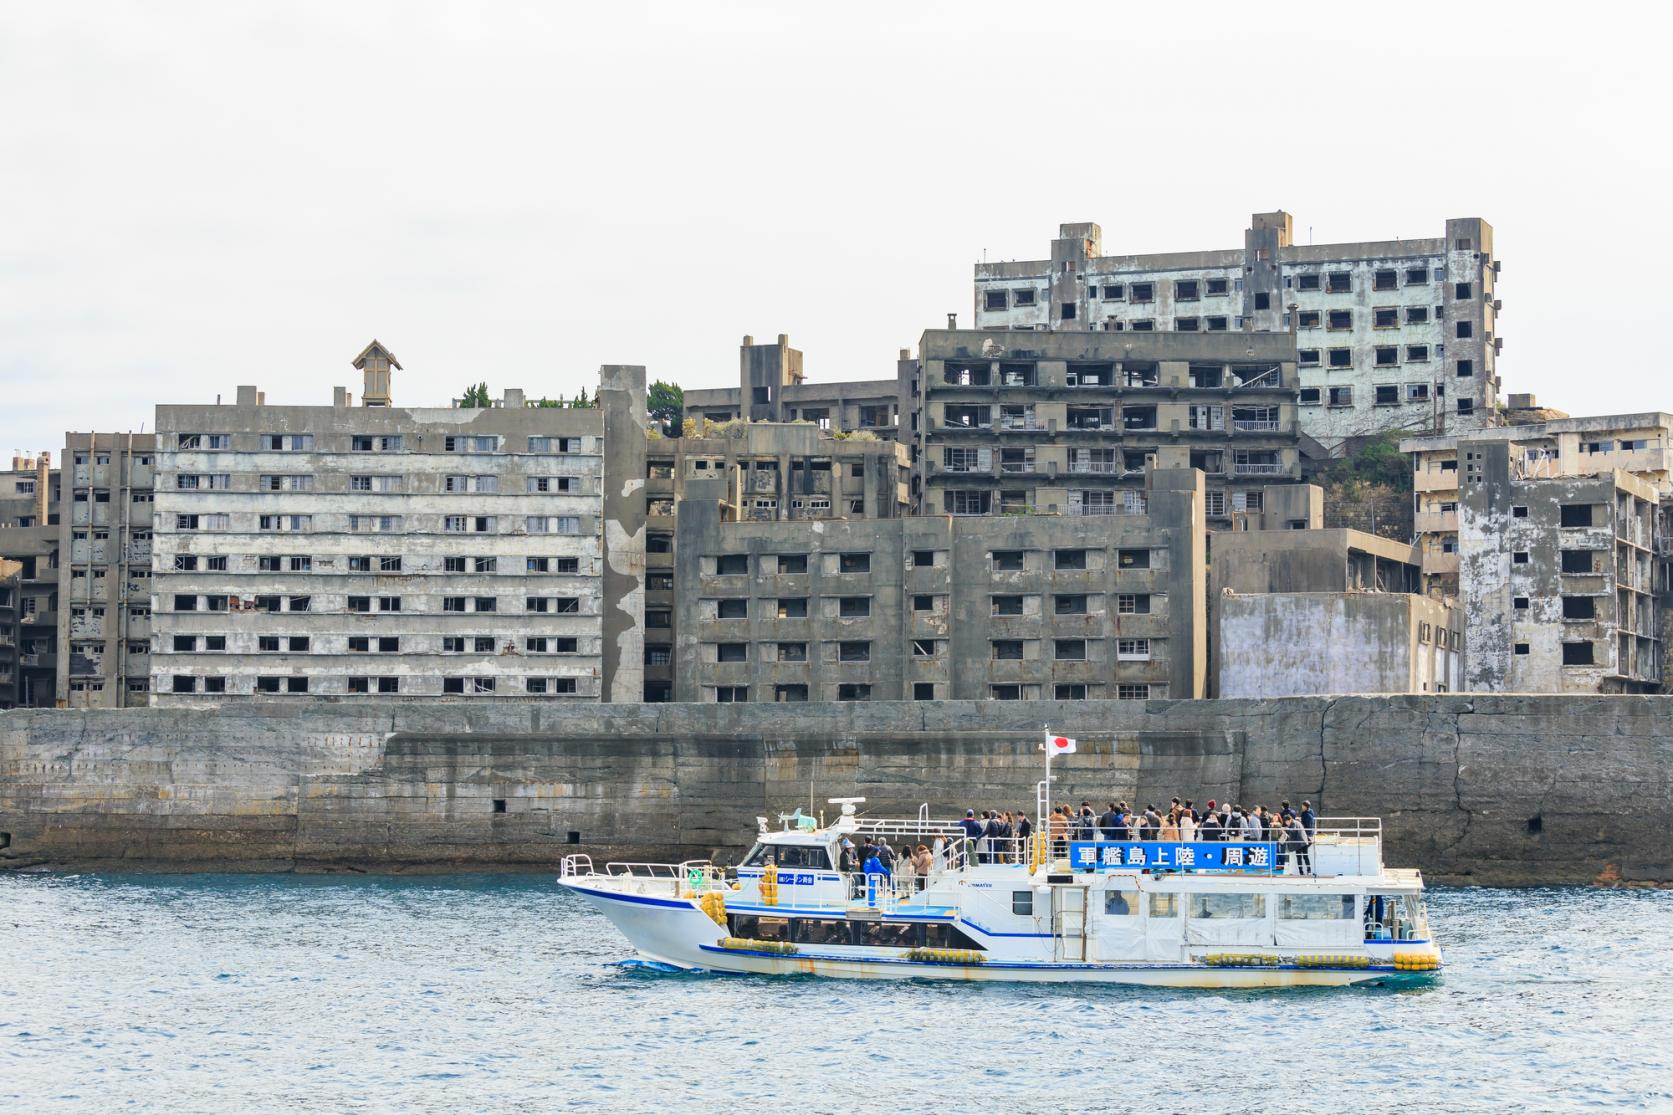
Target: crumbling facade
[
  {"x": 1558, "y": 578},
  {"x": 104, "y": 570},
  {"x": 758, "y": 471},
  {"x": 1074, "y": 423},
  {"x": 1638, "y": 444},
  {"x": 1394, "y": 335},
  {"x": 1298, "y": 612},
  {"x": 943, "y": 607},
  {"x": 382, "y": 551},
  {"x": 29, "y": 518}
]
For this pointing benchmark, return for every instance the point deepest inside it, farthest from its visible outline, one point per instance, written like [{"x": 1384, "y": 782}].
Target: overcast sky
[{"x": 198, "y": 196}]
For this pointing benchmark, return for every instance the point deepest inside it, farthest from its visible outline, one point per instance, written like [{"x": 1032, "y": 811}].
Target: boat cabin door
[{"x": 1068, "y": 922}]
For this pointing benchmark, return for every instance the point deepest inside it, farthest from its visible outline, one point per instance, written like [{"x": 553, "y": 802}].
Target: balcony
[
  {"x": 1016, "y": 467},
  {"x": 1435, "y": 481},
  {"x": 1435, "y": 522},
  {"x": 1108, "y": 468},
  {"x": 1255, "y": 425},
  {"x": 1246, "y": 468},
  {"x": 1438, "y": 562}
]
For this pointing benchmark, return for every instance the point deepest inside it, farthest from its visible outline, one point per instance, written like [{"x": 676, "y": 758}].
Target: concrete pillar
[{"x": 621, "y": 394}]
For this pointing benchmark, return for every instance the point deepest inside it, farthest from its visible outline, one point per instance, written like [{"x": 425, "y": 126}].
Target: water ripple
[{"x": 283, "y": 993}]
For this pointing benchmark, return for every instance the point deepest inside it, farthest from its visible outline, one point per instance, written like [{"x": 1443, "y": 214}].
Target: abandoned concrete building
[
  {"x": 1639, "y": 444},
  {"x": 1298, "y": 612},
  {"x": 341, "y": 551},
  {"x": 1558, "y": 577},
  {"x": 773, "y": 388},
  {"x": 944, "y": 607},
  {"x": 29, "y": 536},
  {"x": 104, "y": 570},
  {"x": 1074, "y": 423},
  {"x": 11, "y": 629},
  {"x": 1393, "y": 335},
  {"x": 764, "y": 472}
]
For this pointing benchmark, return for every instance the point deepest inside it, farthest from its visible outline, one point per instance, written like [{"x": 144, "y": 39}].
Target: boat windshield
[{"x": 788, "y": 855}]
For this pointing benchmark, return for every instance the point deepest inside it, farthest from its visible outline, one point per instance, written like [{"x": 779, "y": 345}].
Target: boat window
[
  {"x": 793, "y": 855},
  {"x": 759, "y": 929},
  {"x": 1120, "y": 903},
  {"x": 1022, "y": 902},
  {"x": 788, "y": 855},
  {"x": 1164, "y": 905},
  {"x": 889, "y": 935},
  {"x": 1315, "y": 907},
  {"x": 1228, "y": 905},
  {"x": 821, "y": 931},
  {"x": 944, "y": 936},
  {"x": 1388, "y": 917}
]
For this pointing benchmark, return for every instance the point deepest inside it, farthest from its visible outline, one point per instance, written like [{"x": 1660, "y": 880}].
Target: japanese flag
[{"x": 1060, "y": 745}]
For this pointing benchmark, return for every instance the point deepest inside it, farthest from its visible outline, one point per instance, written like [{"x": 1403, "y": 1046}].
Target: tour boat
[{"x": 1219, "y": 914}]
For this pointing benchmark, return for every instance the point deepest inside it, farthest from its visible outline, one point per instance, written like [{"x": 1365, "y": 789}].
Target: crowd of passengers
[{"x": 1003, "y": 836}]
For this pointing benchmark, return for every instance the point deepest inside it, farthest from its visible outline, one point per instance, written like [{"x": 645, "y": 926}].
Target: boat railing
[{"x": 576, "y": 864}]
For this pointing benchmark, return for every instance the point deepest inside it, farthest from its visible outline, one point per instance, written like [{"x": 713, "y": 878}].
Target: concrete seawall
[{"x": 1488, "y": 789}]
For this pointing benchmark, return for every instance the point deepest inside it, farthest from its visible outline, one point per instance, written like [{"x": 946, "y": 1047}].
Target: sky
[{"x": 197, "y": 196}]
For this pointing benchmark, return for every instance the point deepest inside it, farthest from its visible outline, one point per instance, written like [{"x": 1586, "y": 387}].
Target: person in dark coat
[{"x": 1209, "y": 829}]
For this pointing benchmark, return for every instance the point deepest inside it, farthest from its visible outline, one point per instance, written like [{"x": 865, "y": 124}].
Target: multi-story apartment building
[
  {"x": 772, "y": 388},
  {"x": 1558, "y": 577},
  {"x": 1639, "y": 444},
  {"x": 11, "y": 600},
  {"x": 939, "y": 607},
  {"x": 104, "y": 570},
  {"x": 1395, "y": 335},
  {"x": 1074, "y": 423},
  {"x": 29, "y": 514},
  {"x": 351, "y": 552},
  {"x": 758, "y": 472}
]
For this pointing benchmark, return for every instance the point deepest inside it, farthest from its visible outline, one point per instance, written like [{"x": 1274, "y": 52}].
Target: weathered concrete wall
[
  {"x": 1488, "y": 789},
  {"x": 1293, "y": 643}
]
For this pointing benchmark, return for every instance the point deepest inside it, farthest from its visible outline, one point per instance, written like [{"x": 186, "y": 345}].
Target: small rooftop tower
[{"x": 375, "y": 361}]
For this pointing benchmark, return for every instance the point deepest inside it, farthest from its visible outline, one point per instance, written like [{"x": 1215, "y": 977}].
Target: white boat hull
[{"x": 677, "y": 933}]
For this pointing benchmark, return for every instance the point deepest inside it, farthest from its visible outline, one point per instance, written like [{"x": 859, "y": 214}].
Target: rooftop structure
[{"x": 1390, "y": 335}]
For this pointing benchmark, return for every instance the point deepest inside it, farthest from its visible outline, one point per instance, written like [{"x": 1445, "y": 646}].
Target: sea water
[{"x": 232, "y": 993}]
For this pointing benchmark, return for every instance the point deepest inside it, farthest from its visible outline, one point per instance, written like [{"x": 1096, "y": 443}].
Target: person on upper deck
[
  {"x": 972, "y": 835},
  {"x": 1295, "y": 841},
  {"x": 1058, "y": 828},
  {"x": 875, "y": 865},
  {"x": 1308, "y": 820},
  {"x": 1187, "y": 825},
  {"x": 1025, "y": 828},
  {"x": 1170, "y": 825},
  {"x": 1107, "y": 822},
  {"x": 847, "y": 861},
  {"x": 1209, "y": 830},
  {"x": 923, "y": 861}
]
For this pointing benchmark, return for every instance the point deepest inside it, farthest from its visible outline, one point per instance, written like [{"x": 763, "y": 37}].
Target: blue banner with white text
[{"x": 1086, "y": 855}]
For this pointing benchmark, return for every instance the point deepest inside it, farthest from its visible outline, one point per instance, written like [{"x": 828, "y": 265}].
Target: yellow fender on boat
[
  {"x": 1332, "y": 960},
  {"x": 1416, "y": 960},
  {"x": 769, "y": 885},
  {"x": 946, "y": 956},
  {"x": 1240, "y": 960},
  {"x": 748, "y": 944},
  {"x": 713, "y": 903}
]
